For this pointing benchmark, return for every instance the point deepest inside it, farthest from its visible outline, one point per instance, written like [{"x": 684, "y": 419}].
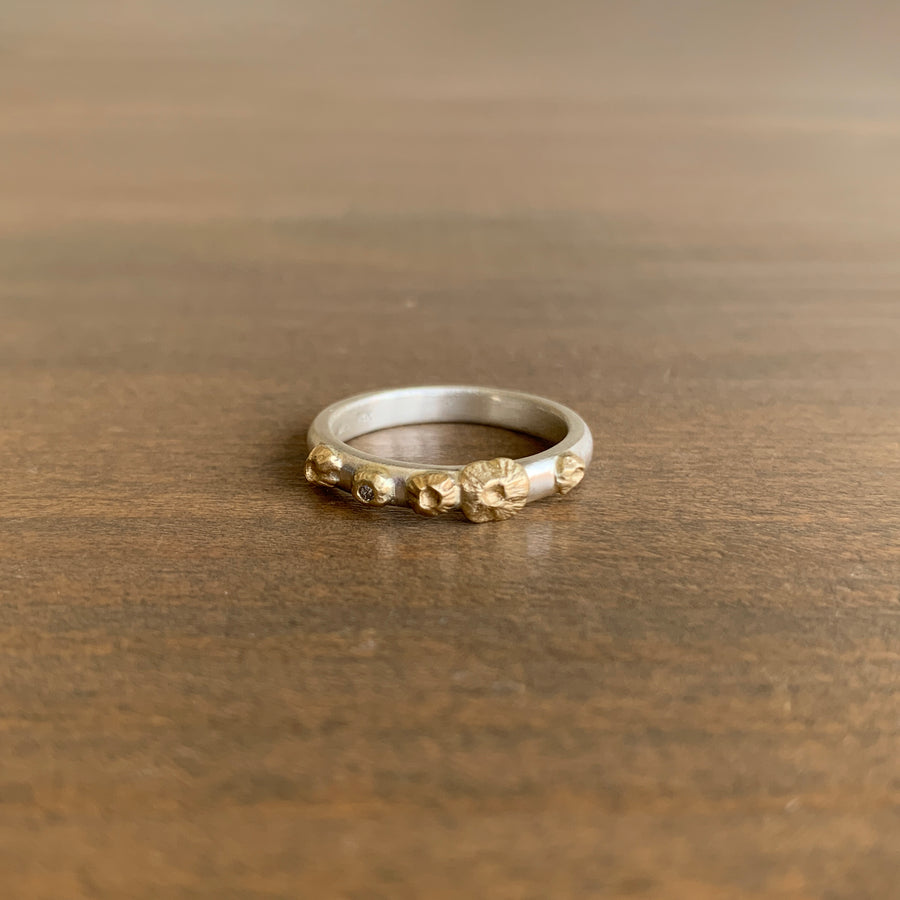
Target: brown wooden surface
[{"x": 679, "y": 682}]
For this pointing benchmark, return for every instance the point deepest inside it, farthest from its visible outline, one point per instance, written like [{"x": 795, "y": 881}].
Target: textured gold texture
[
  {"x": 493, "y": 489},
  {"x": 432, "y": 493},
  {"x": 569, "y": 472},
  {"x": 373, "y": 486},
  {"x": 323, "y": 465}
]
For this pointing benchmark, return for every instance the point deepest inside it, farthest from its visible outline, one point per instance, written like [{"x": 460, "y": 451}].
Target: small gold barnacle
[
  {"x": 373, "y": 486},
  {"x": 431, "y": 493},
  {"x": 569, "y": 472},
  {"x": 493, "y": 489},
  {"x": 323, "y": 465}
]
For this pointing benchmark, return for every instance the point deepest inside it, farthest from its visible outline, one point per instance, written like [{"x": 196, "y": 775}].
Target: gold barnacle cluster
[
  {"x": 489, "y": 490},
  {"x": 432, "y": 493},
  {"x": 373, "y": 486},
  {"x": 569, "y": 472},
  {"x": 493, "y": 489},
  {"x": 323, "y": 465}
]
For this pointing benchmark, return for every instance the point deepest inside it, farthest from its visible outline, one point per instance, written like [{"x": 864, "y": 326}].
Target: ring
[{"x": 487, "y": 490}]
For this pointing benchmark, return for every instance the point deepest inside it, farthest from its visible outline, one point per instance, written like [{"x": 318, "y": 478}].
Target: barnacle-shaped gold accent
[
  {"x": 493, "y": 489},
  {"x": 373, "y": 486},
  {"x": 432, "y": 493},
  {"x": 323, "y": 465},
  {"x": 569, "y": 472}
]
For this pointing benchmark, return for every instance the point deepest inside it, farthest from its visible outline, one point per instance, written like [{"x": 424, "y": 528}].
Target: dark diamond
[{"x": 367, "y": 493}]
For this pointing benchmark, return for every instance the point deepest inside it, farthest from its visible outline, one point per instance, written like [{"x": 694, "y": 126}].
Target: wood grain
[{"x": 681, "y": 681}]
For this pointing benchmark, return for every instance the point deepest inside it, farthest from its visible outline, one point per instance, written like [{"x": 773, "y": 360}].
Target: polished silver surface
[{"x": 334, "y": 462}]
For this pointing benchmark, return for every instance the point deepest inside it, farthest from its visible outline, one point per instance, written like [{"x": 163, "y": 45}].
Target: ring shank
[{"x": 348, "y": 419}]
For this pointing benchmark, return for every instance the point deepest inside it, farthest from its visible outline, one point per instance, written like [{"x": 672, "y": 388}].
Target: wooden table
[{"x": 681, "y": 681}]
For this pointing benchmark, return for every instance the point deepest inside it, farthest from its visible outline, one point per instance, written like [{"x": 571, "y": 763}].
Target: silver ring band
[{"x": 485, "y": 490}]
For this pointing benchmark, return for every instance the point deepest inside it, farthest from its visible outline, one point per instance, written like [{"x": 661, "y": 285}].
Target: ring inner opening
[
  {"x": 432, "y": 405},
  {"x": 448, "y": 443}
]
